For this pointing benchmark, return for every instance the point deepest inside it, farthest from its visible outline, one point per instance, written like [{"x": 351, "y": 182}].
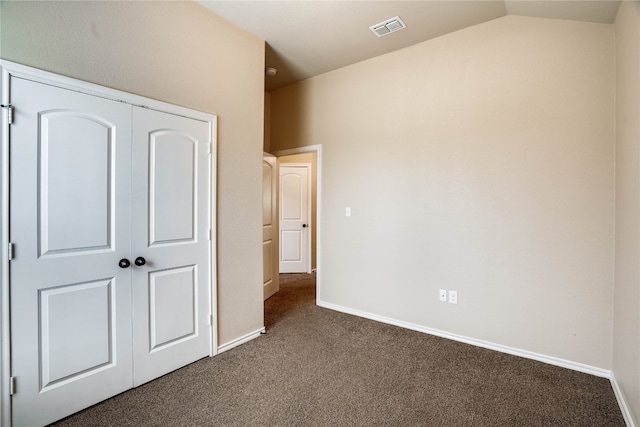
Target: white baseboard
[
  {"x": 478, "y": 343},
  {"x": 239, "y": 341},
  {"x": 622, "y": 402}
]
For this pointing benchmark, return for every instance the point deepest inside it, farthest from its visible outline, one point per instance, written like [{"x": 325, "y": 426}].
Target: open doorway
[
  {"x": 289, "y": 216},
  {"x": 311, "y": 155}
]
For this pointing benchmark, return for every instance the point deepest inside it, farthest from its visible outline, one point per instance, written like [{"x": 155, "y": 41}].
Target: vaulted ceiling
[{"x": 310, "y": 37}]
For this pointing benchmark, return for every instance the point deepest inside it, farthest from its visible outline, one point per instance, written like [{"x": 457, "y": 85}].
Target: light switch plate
[
  {"x": 347, "y": 211},
  {"x": 443, "y": 295}
]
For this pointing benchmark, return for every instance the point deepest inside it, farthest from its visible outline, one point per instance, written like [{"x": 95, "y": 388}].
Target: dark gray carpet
[{"x": 317, "y": 367}]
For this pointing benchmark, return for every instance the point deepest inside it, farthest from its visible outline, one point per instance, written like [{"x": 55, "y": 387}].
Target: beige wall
[
  {"x": 180, "y": 53},
  {"x": 311, "y": 158},
  {"x": 626, "y": 333},
  {"x": 267, "y": 122},
  {"x": 481, "y": 161}
]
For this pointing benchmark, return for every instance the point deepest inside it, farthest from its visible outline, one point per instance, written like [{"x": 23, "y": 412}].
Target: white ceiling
[{"x": 309, "y": 37}]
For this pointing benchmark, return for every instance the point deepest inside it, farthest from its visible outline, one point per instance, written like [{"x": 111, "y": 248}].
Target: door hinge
[
  {"x": 12, "y": 386},
  {"x": 210, "y": 234},
  {"x": 210, "y": 148},
  {"x": 9, "y": 109},
  {"x": 211, "y": 320},
  {"x": 10, "y": 251}
]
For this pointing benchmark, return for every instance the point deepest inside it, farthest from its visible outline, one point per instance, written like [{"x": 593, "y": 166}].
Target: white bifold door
[{"x": 110, "y": 222}]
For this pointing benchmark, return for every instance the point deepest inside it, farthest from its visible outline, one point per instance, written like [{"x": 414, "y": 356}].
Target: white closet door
[
  {"x": 170, "y": 231},
  {"x": 70, "y": 205}
]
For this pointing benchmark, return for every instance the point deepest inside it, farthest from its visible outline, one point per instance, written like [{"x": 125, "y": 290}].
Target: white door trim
[
  {"x": 5, "y": 331},
  {"x": 318, "y": 150},
  {"x": 10, "y": 69}
]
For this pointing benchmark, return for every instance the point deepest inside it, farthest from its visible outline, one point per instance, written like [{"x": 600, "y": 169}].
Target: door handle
[
  {"x": 140, "y": 261},
  {"x": 124, "y": 263},
  {"x": 304, "y": 225}
]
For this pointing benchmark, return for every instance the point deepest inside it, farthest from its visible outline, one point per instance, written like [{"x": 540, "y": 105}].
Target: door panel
[
  {"x": 294, "y": 218},
  {"x": 172, "y": 187},
  {"x": 65, "y": 181},
  {"x": 75, "y": 319},
  {"x": 291, "y": 241},
  {"x": 171, "y": 290},
  {"x": 267, "y": 270},
  {"x": 70, "y": 204}
]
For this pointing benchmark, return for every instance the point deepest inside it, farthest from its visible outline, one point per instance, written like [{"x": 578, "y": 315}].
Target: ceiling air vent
[{"x": 387, "y": 27}]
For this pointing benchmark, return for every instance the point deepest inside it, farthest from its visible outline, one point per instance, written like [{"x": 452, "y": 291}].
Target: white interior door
[
  {"x": 70, "y": 301},
  {"x": 170, "y": 242},
  {"x": 110, "y": 220},
  {"x": 270, "y": 279},
  {"x": 294, "y": 218}
]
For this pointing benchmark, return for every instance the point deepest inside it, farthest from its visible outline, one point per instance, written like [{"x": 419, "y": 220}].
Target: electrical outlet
[
  {"x": 453, "y": 297},
  {"x": 443, "y": 295}
]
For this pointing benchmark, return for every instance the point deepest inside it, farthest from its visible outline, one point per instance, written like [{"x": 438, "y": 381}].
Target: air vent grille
[{"x": 387, "y": 27}]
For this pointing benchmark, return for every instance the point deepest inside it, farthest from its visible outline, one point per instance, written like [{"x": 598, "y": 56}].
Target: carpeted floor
[{"x": 317, "y": 367}]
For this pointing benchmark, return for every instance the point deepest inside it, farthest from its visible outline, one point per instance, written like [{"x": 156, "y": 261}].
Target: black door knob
[
  {"x": 124, "y": 263},
  {"x": 140, "y": 261},
  {"x": 304, "y": 225}
]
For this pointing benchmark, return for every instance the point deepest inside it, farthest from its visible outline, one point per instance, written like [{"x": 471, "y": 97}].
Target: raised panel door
[
  {"x": 70, "y": 205},
  {"x": 270, "y": 279},
  {"x": 170, "y": 231},
  {"x": 294, "y": 218}
]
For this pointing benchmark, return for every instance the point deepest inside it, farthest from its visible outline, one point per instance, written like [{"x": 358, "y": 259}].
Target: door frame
[
  {"x": 318, "y": 171},
  {"x": 10, "y": 69}
]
